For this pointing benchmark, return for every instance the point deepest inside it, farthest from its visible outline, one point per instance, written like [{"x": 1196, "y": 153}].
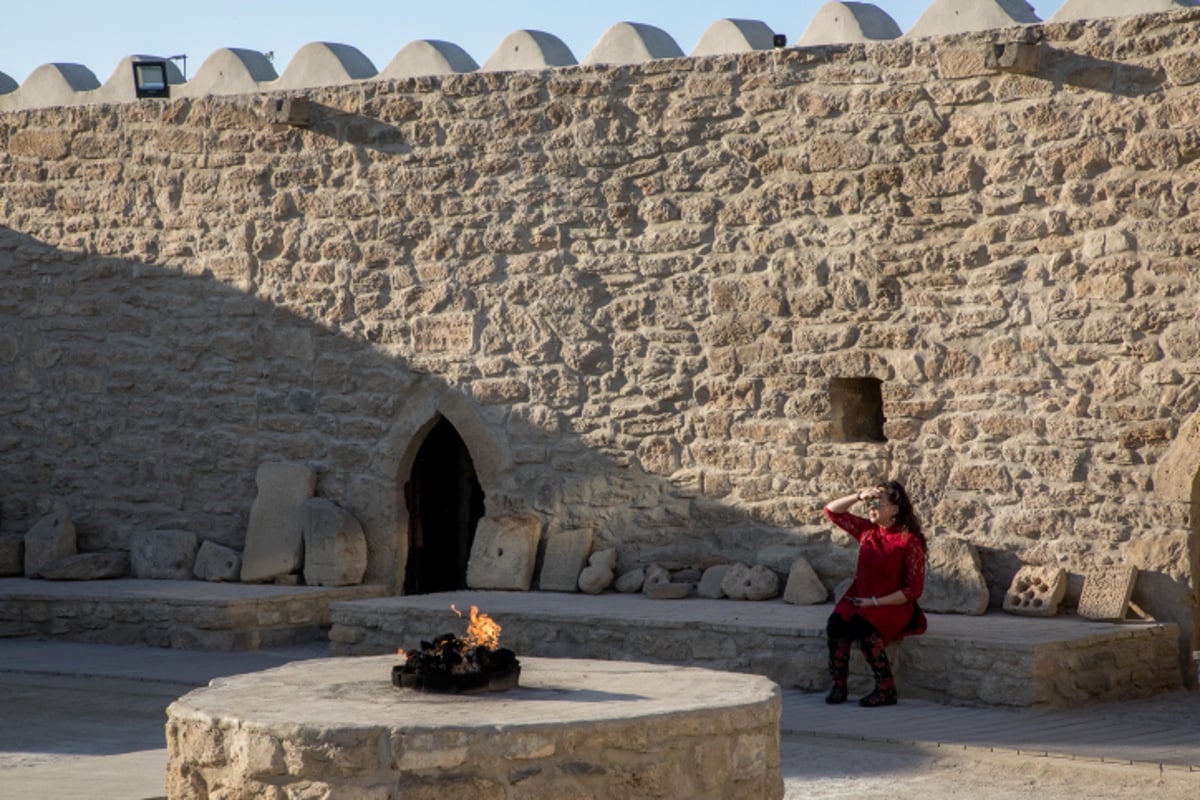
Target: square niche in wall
[{"x": 857, "y": 405}]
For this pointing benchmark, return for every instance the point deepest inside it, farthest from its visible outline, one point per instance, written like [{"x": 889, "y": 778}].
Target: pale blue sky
[{"x": 99, "y": 33}]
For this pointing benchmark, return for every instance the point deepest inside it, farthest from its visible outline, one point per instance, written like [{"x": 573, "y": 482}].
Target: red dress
[{"x": 888, "y": 559}]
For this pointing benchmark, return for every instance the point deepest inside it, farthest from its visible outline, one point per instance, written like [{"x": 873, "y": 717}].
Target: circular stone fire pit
[{"x": 337, "y": 727}]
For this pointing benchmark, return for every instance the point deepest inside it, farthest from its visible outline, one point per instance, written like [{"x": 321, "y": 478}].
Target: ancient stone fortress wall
[{"x": 679, "y": 304}]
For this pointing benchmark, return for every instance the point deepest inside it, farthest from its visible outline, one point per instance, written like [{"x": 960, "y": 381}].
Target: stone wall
[{"x": 629, "y": 289}]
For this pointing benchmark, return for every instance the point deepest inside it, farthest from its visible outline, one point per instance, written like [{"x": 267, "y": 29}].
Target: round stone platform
[{"x": 574, "y": 728}]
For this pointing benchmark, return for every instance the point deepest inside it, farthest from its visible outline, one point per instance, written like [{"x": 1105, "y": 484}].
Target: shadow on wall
[{"x": 141, "y": 397}]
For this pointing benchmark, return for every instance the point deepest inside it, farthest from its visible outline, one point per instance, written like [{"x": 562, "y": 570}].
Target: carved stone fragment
[
  {"x": 1107, "y": 592},
  {"x": 274, "y": 542},
  {"x": 335, "y": 549},
  {"x": 803, "y": 587},
  {"x": 750, "y": 583},
  {"x": 954, "y": 582},
  {"x": 566, "y": 556},
  {"x": 163, "y": 555},
  {"x": 52, "y": 538},
  {"x": 504, "y": 553},
  {"x": 216, "y": 562},
  {"x": 1036, "y": 591}
]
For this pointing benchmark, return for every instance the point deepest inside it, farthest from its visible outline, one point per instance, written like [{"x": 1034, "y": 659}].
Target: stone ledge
[
  {"x": 991, "y": 660},
  {"x": 187, "y": 615}
]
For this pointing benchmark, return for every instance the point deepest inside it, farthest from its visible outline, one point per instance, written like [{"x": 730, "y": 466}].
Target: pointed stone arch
[{"x": 378, "y": 492}]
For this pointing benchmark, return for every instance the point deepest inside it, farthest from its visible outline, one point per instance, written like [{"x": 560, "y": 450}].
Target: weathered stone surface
[
  {"x": 12, "y": 555},
  {"x": 686, "y": 733},
  {"x": 1036, "y": 591},
  {"x": 216, "y": 562},
  {"x": 565, "y": 557},
  {"x": 504, "y": 553},
  {"x": 87, "y": 567},
  {"x": 274, "y": 542},
  {"x": 1107, "y": 592},
  {"x": 804, "y": 586},
  {"x": 711, "y": 580},
  {"x": 595, "y": 578},
  {"x": 604, "y": 558},
  {"x": 656, "y": 574},
  {"x": 954, "y": 581},
  {"x": 744, "y": 582},
  {"x": 631, "y": 581},
  {"x": 165, "y": 555},
  {"x": 669, "y": 591},
  {"x": 335, "y": 549},
  {"x": 51, "y": 539}
]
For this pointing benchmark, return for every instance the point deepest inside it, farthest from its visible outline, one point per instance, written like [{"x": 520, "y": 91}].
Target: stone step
[
  {"x": 996, "y": 659},
  {"x": 188, "y": 615}
]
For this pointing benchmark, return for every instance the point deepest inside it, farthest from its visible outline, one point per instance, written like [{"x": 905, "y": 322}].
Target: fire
[
  {"x": 483, "y": 630},
  {"x": 401, "y": 654}
]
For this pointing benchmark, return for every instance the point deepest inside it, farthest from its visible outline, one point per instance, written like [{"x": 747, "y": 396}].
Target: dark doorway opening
[{"x": 445, "y": 503}]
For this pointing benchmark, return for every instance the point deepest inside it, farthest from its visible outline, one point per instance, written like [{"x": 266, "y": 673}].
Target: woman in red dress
[{"x": 881, "y": 605}]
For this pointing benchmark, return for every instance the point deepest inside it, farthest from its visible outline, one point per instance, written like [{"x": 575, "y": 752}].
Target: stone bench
[
  {"x": 189, "y": 615},
  {"x": 992, "y": 660}
]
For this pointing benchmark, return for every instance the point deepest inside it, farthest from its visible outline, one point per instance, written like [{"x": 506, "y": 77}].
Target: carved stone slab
[
  {"x": 954, "y": 582},
  {"x": 566, "y": 556},
  {"x": 504, "y": 553},
  {"x": 1036, "y": 591},
  {"x": 274, "y": 542},
  {"x": 1107, "y": 592}
]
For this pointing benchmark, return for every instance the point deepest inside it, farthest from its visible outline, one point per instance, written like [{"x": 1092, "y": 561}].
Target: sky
[{"x": 99, "y": 33}]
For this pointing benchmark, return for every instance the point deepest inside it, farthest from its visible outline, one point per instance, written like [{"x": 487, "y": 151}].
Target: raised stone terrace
[{"x": 991, "y": 660}]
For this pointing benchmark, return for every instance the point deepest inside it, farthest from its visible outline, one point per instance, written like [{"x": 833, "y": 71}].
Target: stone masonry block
[
  {"x": 1036, "y": 591},
  {"x": 163, "y": 555},
  {"x": 504, "y": 553},
  {"x": 52, "y": 538},
  {"x": 274, "y": 542},
  {"x": 335, "y": 548},
  {"x": 565, "y": 557},
  {"x": 1107, "y": 592}
]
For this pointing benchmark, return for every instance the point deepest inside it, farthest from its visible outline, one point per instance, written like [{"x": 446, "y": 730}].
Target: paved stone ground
[{"x": 86, "y": 721}]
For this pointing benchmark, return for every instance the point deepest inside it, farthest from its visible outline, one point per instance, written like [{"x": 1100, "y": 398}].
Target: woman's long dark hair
[{"x": 906, "y": 516}]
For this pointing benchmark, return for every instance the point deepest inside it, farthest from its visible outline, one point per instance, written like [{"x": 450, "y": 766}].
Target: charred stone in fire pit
[{"x": 449, "y": 665}]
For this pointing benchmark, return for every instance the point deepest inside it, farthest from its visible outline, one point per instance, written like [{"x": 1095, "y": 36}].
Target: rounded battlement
[{"x": 238, "y": 71}]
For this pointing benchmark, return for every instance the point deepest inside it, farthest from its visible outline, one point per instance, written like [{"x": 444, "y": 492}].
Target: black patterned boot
[
  {"x": 885, "y": 684},
  {"x": 839, "y": 669}
]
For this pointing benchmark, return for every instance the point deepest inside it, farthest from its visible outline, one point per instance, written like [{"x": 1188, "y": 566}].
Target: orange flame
[
  {"x": 401, "y": 654},
  {"x": 483, "y": 630}
]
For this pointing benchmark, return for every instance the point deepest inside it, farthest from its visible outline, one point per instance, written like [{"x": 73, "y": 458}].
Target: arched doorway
[{"x": 445, "y": 503}]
